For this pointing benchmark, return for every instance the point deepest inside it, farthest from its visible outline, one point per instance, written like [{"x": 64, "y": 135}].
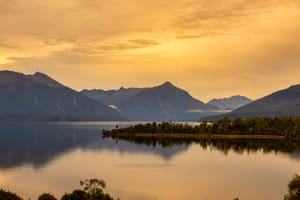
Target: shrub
[
  {"x": 4, "y": 195},
  {"x": 46, "y": 196}
]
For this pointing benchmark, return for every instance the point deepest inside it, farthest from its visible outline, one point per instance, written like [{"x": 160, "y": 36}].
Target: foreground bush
[
  {"x": 76, "y": 195},
  {"x": 294, "y": 189},
  {"x": 4, "y": 195},
  {"x": 92, "y": 190},
  {"x": 46, "y": 196},
  {"x": 96, "y": 194}
]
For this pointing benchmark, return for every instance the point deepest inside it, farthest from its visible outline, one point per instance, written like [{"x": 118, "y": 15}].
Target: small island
[{"x": 281, "y": 128}]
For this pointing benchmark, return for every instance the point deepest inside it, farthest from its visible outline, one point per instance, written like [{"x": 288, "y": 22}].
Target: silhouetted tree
[
  {"x": 294, "y": 189},
  {"x": 76, "y": 195},
  {"x": 46, "y": 196},
  {"x": 5, "y": 195}
]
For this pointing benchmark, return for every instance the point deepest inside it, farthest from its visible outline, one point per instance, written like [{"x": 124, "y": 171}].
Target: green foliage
[
  {"x": 279, "y": 126},
  {"x": 46, "y": 196},
  {"x": 294, "y": 189},
  {"x": 5, "y": 195}
]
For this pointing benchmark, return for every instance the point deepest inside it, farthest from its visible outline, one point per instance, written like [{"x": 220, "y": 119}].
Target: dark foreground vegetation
[
  {"x": 275, "y": 127},
  {"x": 92, "y": 191},
  {"x": 294, "y": 189}
]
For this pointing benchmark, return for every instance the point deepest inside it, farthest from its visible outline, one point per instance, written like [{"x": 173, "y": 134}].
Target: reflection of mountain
[{"x": 38, "y": 143}]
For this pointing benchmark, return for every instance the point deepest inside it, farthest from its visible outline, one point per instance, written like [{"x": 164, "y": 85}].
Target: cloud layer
[{"x": 212, "y": 48}]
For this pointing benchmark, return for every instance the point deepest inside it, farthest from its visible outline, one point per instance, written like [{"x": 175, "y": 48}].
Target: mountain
[
  {"x": 285, "y": 102},
  {"x": 230, "y": 103},
  {"x": 112, "y": 97},
  {"x": 164, "y": 102},
  {"x": 39, "y": 97}
]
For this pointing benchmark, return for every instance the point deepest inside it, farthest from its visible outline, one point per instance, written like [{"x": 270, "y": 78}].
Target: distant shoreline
[
  {"x": 283, "y": 128},
  {"x": 191, "y": 136}
]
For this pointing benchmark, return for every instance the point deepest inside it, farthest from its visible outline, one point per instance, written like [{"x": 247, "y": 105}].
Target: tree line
[{"x": 279, "y": 126}]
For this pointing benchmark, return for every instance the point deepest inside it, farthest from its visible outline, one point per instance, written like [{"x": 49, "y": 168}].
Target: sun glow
[{"x": 188, "y": 42}]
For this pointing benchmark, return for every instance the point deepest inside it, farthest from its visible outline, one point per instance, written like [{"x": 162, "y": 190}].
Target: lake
[{"x": 54, "y": 157}]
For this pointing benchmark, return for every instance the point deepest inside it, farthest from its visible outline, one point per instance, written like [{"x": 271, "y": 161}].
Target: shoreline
[{"x": 191, "y": 136}]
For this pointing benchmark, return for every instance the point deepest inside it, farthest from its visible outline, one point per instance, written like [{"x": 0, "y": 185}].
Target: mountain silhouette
[
  {"x": 285, "y": 102},
  {"x": 39, "y": 97},
  {"x": 230, "y": 103},
  {"x": 163, "y": 102},
  {"x": 112, "y": 97}
]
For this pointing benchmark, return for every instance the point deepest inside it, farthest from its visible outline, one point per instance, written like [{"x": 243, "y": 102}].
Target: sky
[{"x": 212, "y": 49}]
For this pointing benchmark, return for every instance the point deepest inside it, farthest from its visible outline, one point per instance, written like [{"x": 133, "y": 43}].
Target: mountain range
[
  {"x": 112, "y": 97},
  {"x": 284, "y": 102},
  {"x": 163, "y": 102},
  {"x": 39, "y": 97}
]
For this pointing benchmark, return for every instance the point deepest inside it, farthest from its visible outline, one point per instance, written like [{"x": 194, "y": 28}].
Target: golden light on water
[
  {"x": 4, "y": 178},
  {"x": 192, "y": 173}
]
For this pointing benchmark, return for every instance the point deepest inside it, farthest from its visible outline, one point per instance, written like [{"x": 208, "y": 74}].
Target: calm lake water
[{"x": 54, "y": 157}]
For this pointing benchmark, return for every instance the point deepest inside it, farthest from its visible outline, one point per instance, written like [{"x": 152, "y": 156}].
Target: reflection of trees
[{"x": 224, "y": 145}]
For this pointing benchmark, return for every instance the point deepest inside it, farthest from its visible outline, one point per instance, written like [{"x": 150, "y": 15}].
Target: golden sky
[{"x": 210, "y": 48}]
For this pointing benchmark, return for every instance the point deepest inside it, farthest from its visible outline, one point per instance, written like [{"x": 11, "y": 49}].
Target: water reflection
[
  {"x": 224, "y": 145},
  {"x": 53, "y": 157},
  {"x": 38, "y": 143}
]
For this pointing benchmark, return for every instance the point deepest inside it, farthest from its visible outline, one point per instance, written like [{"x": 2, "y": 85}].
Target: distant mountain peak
[
  {"x": 40, "y": 74},
  {"x": 167, "y": 87},
  {"x": 44, "y": 79},
  {"x": 38, "y": 78},
  {"x": 167, "y": 84},
  {"x": 230, "y": 103}
]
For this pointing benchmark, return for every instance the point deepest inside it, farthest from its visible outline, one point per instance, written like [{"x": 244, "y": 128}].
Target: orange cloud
[{"x": 204, "y": 46}]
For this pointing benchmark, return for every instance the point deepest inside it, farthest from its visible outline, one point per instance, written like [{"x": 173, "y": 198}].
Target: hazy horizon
[{"x": 213, "y": 49}]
